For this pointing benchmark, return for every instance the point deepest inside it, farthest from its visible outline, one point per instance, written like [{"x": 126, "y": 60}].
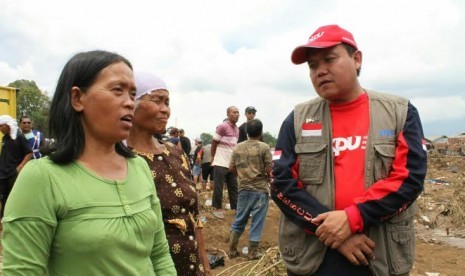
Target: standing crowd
[{"x": 114, "y": 196}]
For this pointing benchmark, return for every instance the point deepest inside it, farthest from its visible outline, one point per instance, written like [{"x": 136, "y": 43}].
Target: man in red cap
[{"x": 348, "y": 167}]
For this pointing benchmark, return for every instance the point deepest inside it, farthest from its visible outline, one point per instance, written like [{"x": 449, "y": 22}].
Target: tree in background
[
  {"x": 269, "y": 139},
  {"x": 206, "y": 138},
  {"x": 33, "y": 103}
]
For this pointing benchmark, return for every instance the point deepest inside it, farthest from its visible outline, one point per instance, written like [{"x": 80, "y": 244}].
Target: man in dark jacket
[
  {"x": 348, "y": 167},
  {"x": 250, "y": 112},
  {"x": 15, "y": 154},
  {"x": 185, "y": 142}
]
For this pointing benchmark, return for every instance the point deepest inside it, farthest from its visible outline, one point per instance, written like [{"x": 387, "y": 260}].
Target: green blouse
[{"x": 65, "y": 220}]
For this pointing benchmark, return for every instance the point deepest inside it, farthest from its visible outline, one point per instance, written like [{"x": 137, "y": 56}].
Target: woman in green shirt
[{"x": 89, "y": 208}]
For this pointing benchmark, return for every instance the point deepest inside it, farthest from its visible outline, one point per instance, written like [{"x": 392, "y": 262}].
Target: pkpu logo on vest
[{"x": 349, "y": 143}]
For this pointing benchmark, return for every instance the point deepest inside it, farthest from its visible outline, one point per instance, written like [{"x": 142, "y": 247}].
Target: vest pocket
[
  {"x": 384, "y": 157},
  {"x": 312, "y": 162},
  {"x": 401, "y": 242},
  {"x": 292, "y": 241}
]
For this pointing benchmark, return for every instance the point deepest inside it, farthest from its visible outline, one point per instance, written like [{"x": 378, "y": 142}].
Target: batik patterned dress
[{"x": 178, "y": 197}]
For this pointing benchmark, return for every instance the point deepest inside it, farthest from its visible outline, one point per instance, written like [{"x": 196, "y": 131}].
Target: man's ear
[
  {"x": 76, "y": 99},
  {"x": 358, "y": 59}
]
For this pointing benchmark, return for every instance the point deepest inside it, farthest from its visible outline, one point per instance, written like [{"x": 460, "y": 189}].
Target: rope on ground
[
  {"x": 269, "y": 264},
  {"x": 246, "y": 265},
  {"x": 224, "y": 253},
  {"x": 269, "y": 268},
  {"x": 270, "y": 255},
  {"x": 234, "y": 266}
]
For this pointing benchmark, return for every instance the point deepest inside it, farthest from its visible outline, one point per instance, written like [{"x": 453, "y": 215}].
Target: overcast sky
[{"x": 214, "y": 53}]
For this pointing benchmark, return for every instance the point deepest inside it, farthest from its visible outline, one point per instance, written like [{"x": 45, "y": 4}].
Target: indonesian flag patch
[
  {"x": 311, "y": 129},
  {"x": 423, "y": 144},
  {"x": 277, "y": 154}
]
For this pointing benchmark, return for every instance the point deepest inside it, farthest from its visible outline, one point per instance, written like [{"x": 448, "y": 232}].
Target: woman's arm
[
  {"x": 202, "y": 250},
  {"x": 29, "y": 223},
  {"x": 161, "y": 257}
]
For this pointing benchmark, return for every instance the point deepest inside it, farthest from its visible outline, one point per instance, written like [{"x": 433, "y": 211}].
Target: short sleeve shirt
[
  {"x": 13, "y": 152},
  {"x": 250, "y": 158},
  {"x": 226, "y": 134}
]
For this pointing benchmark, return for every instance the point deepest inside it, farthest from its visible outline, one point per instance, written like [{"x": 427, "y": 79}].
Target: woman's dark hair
[
  {"x": 254, "y": 128},
  {"x": 65, "y": 123}
]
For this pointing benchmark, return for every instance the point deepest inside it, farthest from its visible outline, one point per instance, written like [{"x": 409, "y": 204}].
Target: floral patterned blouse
[{"x": 178, "y": 197}]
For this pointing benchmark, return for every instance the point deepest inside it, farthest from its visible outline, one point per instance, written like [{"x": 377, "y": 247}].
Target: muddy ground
[{"x": 439, "y": 225}]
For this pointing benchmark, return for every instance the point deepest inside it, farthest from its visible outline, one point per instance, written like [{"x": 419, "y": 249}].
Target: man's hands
[
  {"x": 333, "y": 228},
  {"x": 334, "y": 231},
  {"x": 358, "y": 249}
]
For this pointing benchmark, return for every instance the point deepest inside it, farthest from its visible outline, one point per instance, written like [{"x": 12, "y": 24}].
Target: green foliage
[
  {"x": 269, "y": 139},
  {"x": 206, "y": 138},
  {"x": 33, "y": 103}
]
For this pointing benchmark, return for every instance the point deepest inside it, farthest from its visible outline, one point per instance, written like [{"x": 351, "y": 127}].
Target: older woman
[
  {"x": 171, "y": 174},
  {"x": 89, "y": 208}
]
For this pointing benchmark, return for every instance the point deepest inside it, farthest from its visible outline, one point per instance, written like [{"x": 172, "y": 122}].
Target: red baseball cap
[{"x": 324, "y": 37}]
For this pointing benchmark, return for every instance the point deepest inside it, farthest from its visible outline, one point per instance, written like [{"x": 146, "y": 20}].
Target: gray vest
[{"x": 394, "y": 239}]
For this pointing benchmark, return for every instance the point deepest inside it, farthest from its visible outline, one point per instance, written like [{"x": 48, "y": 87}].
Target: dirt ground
[{"x": 439, "y": 225}]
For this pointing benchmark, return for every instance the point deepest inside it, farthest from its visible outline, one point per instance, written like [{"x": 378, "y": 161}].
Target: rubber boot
[
  {"x": 233, "y": 240},
  {"x": 253, "y": 251}
]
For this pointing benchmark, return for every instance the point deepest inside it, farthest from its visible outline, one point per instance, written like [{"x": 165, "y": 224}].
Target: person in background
[
  {"x": 250, "y": 112},
  {"x": 90, "y": 207},
  {"x": 13, "y": 157},
  {"x": 171, "y": 176},
  {"x": 348, "y": 167},
  {"x": 185, "y": 142},
  {"x": 207, "y": 169},
  {"x": 34, "y": 137},
  {"x": 223, "y": 143},
  {"x": 174, "y": 137},
  {"x": 197, "y": 160},
  {"x": 251, "y": 162}
]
